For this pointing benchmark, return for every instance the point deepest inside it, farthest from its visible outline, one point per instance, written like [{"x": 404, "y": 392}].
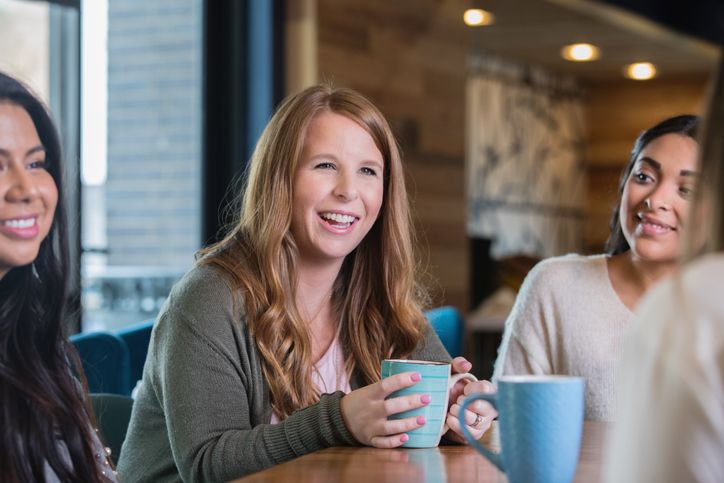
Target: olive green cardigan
[{"x": 202, "y": 409}]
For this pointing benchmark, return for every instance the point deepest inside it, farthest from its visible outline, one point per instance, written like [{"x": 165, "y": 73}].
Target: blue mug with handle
[
  {"x": 436, "y": 382},
  {"x": 540, "y": 422}
]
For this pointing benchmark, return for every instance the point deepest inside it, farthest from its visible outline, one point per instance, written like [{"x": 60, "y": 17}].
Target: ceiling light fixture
[
  {"x": 477, "y": 17},
  {"x": 640, "y": 71},
  {"x": 582, "y": 52}
]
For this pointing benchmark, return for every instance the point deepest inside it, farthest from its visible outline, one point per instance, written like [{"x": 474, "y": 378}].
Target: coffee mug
[
  {"x": 436, "y": 382},
  {"x": 540, "y": 421}
]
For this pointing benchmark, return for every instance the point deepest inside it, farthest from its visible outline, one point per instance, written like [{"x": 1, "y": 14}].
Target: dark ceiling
[{"x": 533, "y": 32}]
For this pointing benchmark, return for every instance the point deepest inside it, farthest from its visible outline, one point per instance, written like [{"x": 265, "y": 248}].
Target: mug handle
[
  {"x": 493, "y": 457},
  {"x": 453, "y": 380}
]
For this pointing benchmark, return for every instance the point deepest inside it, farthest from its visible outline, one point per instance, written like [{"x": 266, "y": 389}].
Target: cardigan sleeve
[
  {"x": 431, "y": 348},
  {"x": 206, "y": 405},
  {"x": 207, "y": 383}
]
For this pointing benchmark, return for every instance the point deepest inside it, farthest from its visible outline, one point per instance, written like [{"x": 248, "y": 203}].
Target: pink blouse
[{"x": 328, "y": 373}]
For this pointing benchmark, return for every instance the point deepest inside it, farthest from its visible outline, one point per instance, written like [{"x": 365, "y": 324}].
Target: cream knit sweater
[
  {"x": 670, "y": 419},
  {"x": 568, "y": 320}
]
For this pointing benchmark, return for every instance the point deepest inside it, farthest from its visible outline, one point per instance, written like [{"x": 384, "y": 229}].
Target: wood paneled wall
[
  {"x": 616, "y": 113},
  {"x": 413, "y": 66}
]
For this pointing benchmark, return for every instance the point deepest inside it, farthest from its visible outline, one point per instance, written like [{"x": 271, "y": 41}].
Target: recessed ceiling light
[
  {"x": 640, "y": 71},
  {"x": 580, "y": 52},
  {"x": 477, "y": 17}
]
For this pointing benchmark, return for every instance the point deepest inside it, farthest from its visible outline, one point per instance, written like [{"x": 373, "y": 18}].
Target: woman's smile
[
  {"x": 338, "y": 222},
  {"x": 652, "y": 226},
  {"x": 23, "y": 227}
]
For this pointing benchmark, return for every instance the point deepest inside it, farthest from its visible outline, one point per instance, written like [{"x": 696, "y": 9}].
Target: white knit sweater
[
  {"x": 568, "y": 320},
  {"x": 670, "y": 419}
]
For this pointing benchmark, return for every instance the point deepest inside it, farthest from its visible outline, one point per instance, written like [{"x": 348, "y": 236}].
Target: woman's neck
[
  {"x": 648, "y": 273},
  {"x": 315, "y": 281},
  {"x": 631, "y": 276},
  {"x": 315, "y": 285}
]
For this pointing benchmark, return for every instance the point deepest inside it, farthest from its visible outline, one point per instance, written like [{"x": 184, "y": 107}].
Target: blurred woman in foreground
[{"x": 670, "y": 424}]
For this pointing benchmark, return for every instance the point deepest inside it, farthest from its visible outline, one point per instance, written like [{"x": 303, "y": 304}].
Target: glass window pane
[
  {"x": 40, "y": 47},
  {"x": 141, "y": 167},
  {"x": 24, "y": 25}
]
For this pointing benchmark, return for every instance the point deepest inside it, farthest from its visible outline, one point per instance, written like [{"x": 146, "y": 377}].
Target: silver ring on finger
[{"x": 478, "y": 419}]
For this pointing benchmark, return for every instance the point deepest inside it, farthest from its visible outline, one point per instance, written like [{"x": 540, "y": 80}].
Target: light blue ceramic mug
[
  {"x": 436, "y": 382},
  {"x": 540, "y": 421}
]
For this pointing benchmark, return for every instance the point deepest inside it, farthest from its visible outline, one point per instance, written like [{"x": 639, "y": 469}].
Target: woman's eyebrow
[
  {"x": 657, "y": 166},
  {"x": 654, "y": 164},
  {"x": 38, "y": 148}
]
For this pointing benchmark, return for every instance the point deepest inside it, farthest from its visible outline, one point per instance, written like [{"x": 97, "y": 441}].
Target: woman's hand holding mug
[
  {"x": 479, "y": 416},
  {"x": 365, "y": 411},
  {"x": 382, "y": 414}
]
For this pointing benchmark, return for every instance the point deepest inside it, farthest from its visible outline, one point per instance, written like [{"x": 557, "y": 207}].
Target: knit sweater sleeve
[
  {"x": 208, "y": 420},
  {"x": 431, "y": 348},
  {"x": 524, "y": 348},
  {"x": 208, "y": 384}
]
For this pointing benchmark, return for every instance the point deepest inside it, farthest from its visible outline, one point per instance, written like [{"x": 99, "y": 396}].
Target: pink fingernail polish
[
  {"x": 421, "y": 420},
  {"x": 404, "y": 438},
  {"x": 425, "y": 398},
  {"x": 416, "y": 377}
]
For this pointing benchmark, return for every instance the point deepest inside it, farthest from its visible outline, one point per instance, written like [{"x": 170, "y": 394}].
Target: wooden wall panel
[
  {"x": 616, "y": 112},
  {"x": 409, "y": 57},
  {"x": 413, "y": 67}
]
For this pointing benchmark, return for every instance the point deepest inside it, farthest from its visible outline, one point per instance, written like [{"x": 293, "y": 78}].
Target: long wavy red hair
[{"x": 376, "y": 295}]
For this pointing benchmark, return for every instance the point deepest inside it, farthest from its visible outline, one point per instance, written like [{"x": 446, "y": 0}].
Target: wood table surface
[{"x": 450, "y": 464}]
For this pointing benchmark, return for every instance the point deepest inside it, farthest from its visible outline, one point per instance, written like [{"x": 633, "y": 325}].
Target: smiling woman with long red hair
[{"x": 271, "y": 347}]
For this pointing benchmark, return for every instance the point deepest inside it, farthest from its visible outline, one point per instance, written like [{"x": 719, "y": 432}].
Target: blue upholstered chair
[
  {"x": 137, "y": 338},
  {"x": 105, "y": 361},
  {"x": 113, "y": 413},
  {"x": 449, "y": 326}
]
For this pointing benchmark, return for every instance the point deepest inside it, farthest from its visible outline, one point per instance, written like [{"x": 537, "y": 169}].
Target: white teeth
[
  {"x": 337, "y": 217},
  {"x": 26, "y": 223},
  {"x": 656, "y": 225}
]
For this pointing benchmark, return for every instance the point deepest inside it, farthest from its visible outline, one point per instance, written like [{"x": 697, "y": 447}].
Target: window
[
  {"x": 40, "y": 47},
  {"x": 140, "y": 200},
  {"x": 141, "y": 150}
]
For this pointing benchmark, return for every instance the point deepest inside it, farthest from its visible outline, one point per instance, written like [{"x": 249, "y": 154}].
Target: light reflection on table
[{"x": 443, "y": 464}]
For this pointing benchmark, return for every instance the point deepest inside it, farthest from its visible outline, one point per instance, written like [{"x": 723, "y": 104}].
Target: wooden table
[{"x": 449, "y": 464}]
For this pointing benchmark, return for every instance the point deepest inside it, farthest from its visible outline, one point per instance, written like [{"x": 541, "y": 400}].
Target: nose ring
[{"x": 647, "y": 203}]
